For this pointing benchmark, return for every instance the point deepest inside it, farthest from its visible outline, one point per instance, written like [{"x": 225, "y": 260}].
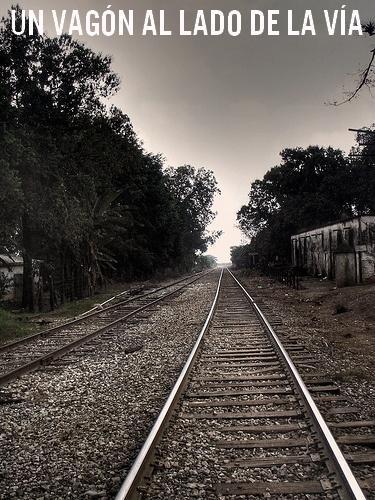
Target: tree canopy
[
  {"x": 310, "y": 187},
  {"x": 79, "y": 193}
]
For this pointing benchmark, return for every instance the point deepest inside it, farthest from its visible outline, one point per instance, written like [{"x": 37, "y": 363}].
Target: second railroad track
[{"x": 32, "y": 352}]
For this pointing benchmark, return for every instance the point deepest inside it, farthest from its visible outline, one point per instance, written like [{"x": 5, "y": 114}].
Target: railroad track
[
  {"x": 42, "y": 348},
  {"x": 243, "y": 421}
]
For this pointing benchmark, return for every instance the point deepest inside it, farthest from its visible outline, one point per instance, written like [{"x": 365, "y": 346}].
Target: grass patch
[
  {"x": 77, "y": 307},
  {"x": 13, "y": 326}
]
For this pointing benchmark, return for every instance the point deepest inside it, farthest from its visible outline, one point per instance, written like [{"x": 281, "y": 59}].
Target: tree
[
  {"x": 81, "y": 198},
  {"x": 362, "y": 164},
  {"x": 240, "y": 255},
  {"x": 366, "y": 74},
  {"x": 47, "y": 85},
  {"x": 11, "y": 200},
  {"x": 203, "y": 262},
  {"x": 310, "y": 187},
  {"x": 193, "y": 192}
]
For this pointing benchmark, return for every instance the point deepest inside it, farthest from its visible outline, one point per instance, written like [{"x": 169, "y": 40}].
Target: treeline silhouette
[
  {"x": 310, "y": 187},
  {"x": 80, "y": 197}
]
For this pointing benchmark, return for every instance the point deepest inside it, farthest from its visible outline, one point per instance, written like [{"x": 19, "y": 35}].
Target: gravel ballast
[
  {"x": 200, "y": 453},
  {"x": 350, "y": 363},
  {"x": 76, "y": 427}
]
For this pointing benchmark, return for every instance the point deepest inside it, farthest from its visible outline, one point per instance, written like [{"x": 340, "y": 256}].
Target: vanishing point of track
[
  {"x": 241, "y": 404},
  {"x": 42, "y": 348}
]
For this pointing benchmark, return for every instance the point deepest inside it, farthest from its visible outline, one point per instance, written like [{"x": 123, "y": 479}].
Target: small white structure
[
  {"x": 11, "y": 267},
  {"x": 344, "y": 250}
]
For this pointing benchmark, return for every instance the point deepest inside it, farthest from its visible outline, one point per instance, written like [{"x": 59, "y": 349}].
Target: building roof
[
  {"x": 10, "y": 260},
  {"x": 332, "y": 223}
]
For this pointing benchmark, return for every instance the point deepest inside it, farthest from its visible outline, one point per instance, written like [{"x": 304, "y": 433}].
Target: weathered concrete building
[{"x": 344, "y": 250}]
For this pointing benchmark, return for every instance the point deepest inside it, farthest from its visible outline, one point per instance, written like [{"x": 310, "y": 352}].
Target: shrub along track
[
  {"x": 42, "y": 348},
  {"x": 240, "y": 421}
]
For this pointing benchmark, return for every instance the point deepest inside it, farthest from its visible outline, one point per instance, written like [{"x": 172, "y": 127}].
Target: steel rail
[
  {"x": 85, "y": 316},
  {"x": 342, "y": 467},
  {"x": 101, "y": 308},
  {"x": 57, "y": 353},
  {"x": 129, "y": 486},
  {"x": 101, "y": 305}
]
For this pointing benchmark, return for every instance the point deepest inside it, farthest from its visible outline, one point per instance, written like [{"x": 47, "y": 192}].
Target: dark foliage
[
  {"x": 79, "y": 194},
  {"x": 310, "y": 187},
  {"x": 240, "y": 255},
  {"x": 205, "y": 262}
]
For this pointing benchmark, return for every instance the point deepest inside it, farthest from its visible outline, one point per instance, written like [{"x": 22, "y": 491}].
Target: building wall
[
  {"x": 10, "y": 272},
  {"x": 345, "y": 269},
  {"x": 316, "y": 250}
]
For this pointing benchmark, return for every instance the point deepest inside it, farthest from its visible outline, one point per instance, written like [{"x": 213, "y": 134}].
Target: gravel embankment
[
  {"x": 320, "y": 332},
  {"x": 76, "y": 430}
]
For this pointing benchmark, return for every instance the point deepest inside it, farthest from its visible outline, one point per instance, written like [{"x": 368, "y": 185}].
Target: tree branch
[{"x": 363, "y": 81}]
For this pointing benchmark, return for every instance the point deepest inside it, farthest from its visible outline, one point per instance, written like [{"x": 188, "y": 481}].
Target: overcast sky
[{"x": 231, "y": 104}]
